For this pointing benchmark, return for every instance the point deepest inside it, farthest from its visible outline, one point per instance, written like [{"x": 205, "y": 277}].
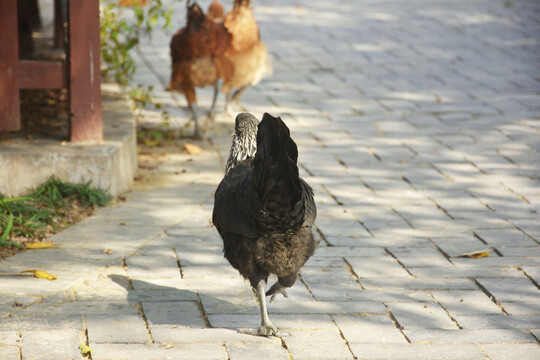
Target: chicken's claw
[
  {"x": 275, "y": 289},
  {"x": 268, "y": 330}
]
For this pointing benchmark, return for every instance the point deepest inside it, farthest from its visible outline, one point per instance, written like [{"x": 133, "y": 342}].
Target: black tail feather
[{"x": 275, "y": 175}]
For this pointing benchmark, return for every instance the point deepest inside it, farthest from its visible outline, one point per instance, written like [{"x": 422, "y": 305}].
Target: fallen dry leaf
[
  {"x": 192, "y": 149},
  {"x": 123, "y": 223},
  {"x": 85, "y": 350},
  {"x": 17, "y": 304},
  {"x": 41, "y": 274},
  {"x": 40, "y": 245},
  {"x": 475, "y": 254},
  {"x": 107, "y": 251}
]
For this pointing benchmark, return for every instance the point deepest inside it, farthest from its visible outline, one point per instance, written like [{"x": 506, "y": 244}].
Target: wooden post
[
  {"x": 84, "y": 71},
  {"x": 9, "y": 67},
  {"x": 59, "y": 42}
]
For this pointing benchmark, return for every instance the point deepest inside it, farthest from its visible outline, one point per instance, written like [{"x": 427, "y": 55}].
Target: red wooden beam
[
  {"x": 9, "y": 71},
  {"x": 42, "y": 74},
  {"x": 59, "y": 41},
  {"x": 84, "y": 71}
]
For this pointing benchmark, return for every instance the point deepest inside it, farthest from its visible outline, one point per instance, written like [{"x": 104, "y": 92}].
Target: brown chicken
[
  {"x": 216, "y": 11},
  {"x": 246, "y": 51},
  {"x": 198, "y": 58}
]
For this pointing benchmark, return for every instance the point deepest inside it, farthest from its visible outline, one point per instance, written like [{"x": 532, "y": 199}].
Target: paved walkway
[{"x": 418, "y": 126}]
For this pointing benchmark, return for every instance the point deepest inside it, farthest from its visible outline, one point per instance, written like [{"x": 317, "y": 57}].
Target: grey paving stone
[
  {"x": 8, "y": 303},
  {"x": 9, "y": 352},
  {"x": 416, "y": 351},
  {"x": 51, "y": 344},
  {"x": 470, "y": 302},
  {"x": 507, "y": 238},
  {"x": 420, "y": 257},
  {"x": 22, "y": 323},
  {"x": 254, "y": 351},
  {"x": 156, "y": 351},
  {"x": 468, "y": 272},
  {"x": 421, "y": 315},
  {"x": 9, "y": 338},
  {"x": 467, "y": 336},
  {"x": 177, "y": 313},
  {"x": 376, "y": 329},
  {"x": 326, "y": 307},
  {"x": 317, "y": 344},
  {"x": 77, "y": 308},
  {"x": 157, "y": 266},
  {"x": 497, "y": 261},
  {"x": 521, "y": 308},
  {"x": 456, "y": 246},
  {"x": 381, "y": 266},
  {"x": 408, "y": 113},
  {"x": 329, "y": 284},
  {"x": 112, "y": 328},
  {"x": 292, "y": 322},
  {"x": 172, "y": 334},
  {"x": 418, "y": 284},
  {"x": 511, "y": 289},
  {"x": 337, "y": 252},
  {"x": 514, "y": 351},
  {"x": 498, "y": 322}
]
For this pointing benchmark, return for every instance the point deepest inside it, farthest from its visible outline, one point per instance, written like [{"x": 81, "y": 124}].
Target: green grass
[{"x": 33, "y": 215}]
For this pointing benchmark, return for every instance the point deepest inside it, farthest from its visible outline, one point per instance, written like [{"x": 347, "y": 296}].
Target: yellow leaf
[
  {"x": 151, "y": 143},
  {"x": 41, "y": 274},
  {"x": 39, "y": 245},
  {"x": 193, "y": 149},
  {"x": 475, "y": 254},
  {"x": 123, "y": 223},
  {"x": 85, "y": 350}
]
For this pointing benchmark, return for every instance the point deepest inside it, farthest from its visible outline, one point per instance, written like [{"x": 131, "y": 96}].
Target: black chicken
[{"x": 263, "y": 210}]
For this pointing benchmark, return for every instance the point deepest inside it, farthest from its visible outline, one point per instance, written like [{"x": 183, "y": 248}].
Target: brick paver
[{"x": 418, "y": 126}]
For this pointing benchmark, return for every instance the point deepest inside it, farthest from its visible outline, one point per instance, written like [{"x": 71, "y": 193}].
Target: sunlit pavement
[{"x": 418, "y": 127}]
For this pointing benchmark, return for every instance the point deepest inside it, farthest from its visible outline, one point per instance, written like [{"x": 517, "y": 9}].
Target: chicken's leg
[
  {"x": 233, "y": 97},
  {"x": 266, "y": 328},
  {"x": 217, "y": 86},
  {"x": 194, "y": 112},
  {"x": 238, "y": 93},
  {"x": 228, "y": 106}
]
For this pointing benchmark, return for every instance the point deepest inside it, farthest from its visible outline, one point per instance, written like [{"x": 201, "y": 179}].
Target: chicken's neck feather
[{"x": 244, "y": 145}]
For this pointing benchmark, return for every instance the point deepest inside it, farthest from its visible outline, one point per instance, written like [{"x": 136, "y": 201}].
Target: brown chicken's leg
[
  {"x": 238, "y": 93},
  {"x": 233, "y": 97},
  {"x": 194, "y": 110},
  {"x": 217, "y": 86},
  {"x": 266, "y": 328}
]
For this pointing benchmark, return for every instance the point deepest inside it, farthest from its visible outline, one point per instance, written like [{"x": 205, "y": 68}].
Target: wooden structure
[{"x": 79, "y": 73}]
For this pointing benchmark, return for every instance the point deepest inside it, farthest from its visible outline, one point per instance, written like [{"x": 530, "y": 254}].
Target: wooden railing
[{"x": 79, "y": 73}]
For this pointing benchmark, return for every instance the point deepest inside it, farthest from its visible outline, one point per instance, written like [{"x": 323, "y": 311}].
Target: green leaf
[{"x": 8, "y": 229}]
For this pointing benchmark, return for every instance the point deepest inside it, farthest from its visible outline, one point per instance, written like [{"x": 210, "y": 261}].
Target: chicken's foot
[
  {"x": 266, "y": 328},
  {"x": 275, "y": 289}
]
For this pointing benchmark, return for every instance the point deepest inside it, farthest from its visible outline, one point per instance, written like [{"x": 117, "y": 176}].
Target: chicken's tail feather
[{"x": 275, "y": 176}]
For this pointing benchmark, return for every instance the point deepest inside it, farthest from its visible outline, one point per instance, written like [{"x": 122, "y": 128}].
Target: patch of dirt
[{"x": 71, "y": 214}]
